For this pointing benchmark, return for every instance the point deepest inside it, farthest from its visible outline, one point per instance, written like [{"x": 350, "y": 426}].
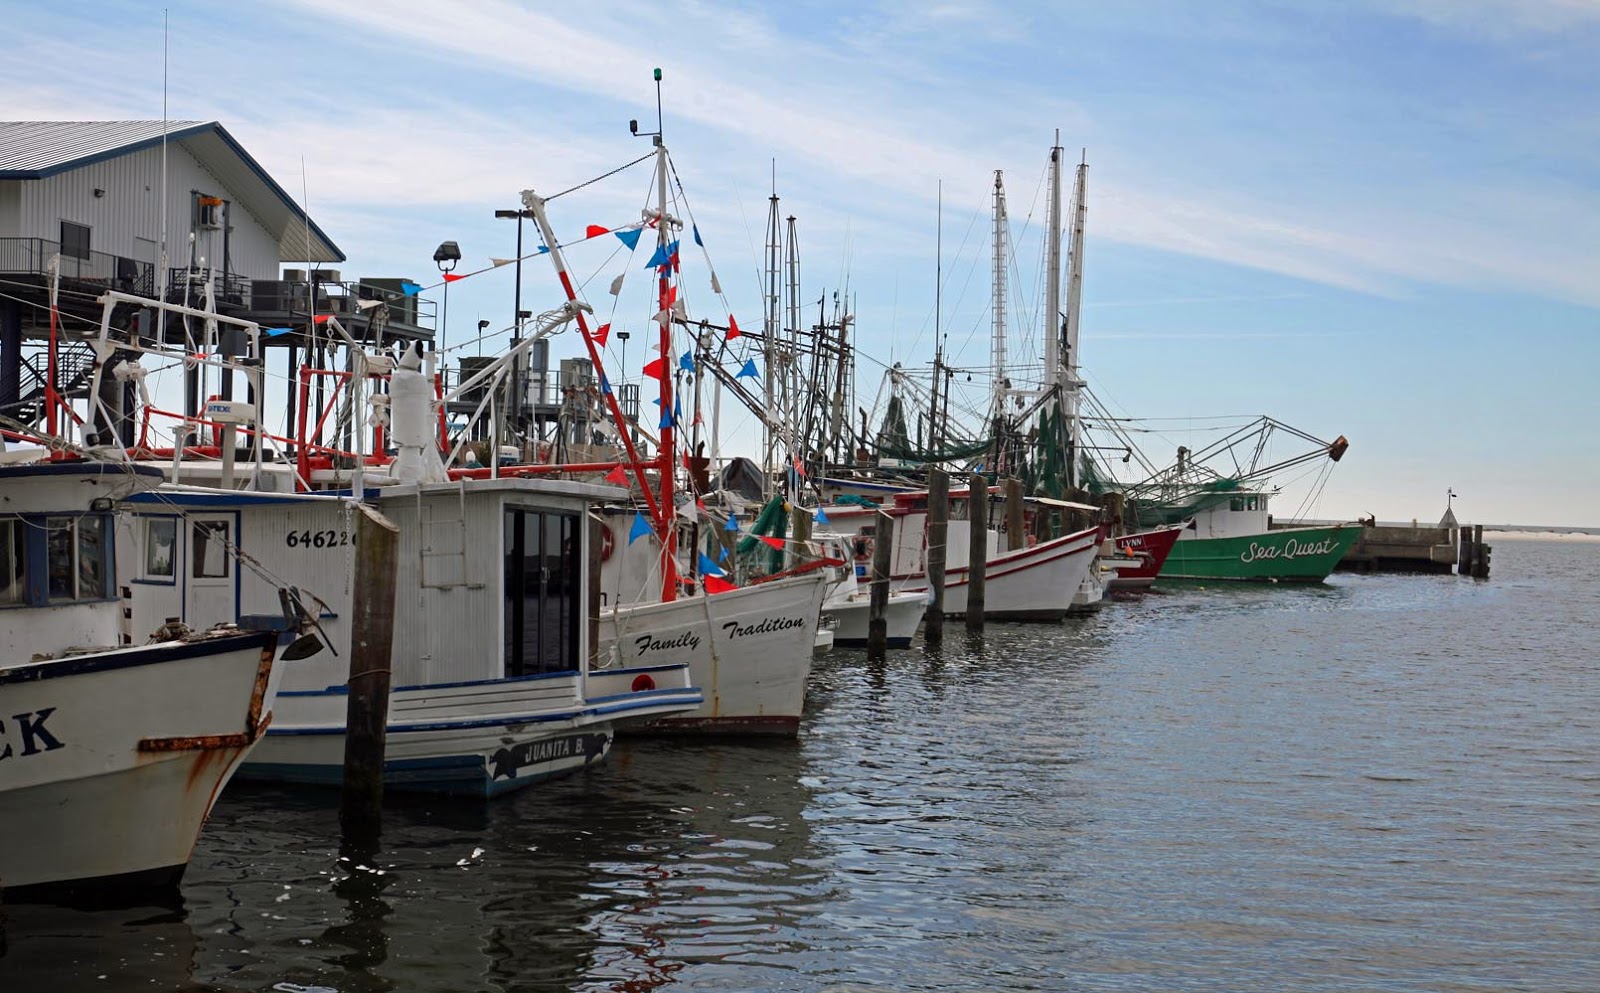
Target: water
[{"x": 1383, "y": 783}]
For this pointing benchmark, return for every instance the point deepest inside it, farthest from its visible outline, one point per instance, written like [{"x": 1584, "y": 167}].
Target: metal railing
[
  {"x": 292, "y": 300},
  {"x": 32, "y": 256}
]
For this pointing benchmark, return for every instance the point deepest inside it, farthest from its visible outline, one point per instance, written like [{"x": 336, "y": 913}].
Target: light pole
[
  {"x": 447, "y": 252},
  {"x": 516, "y": 326}
]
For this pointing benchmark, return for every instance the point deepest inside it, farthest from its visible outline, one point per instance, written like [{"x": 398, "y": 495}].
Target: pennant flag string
[
  {"x": 716, "y": 584},
  {"x": 733, "y": 328},
  {"x": 598, "y": 336},
  {"x": 409, "y": 288},
  {"x": 708, "y": 567},
  {"x": 686, "y": 363},
  {"x": 629, "y": 238},
  {"x": 617, "y": 476},
  {"x": 748, "y": 370}
]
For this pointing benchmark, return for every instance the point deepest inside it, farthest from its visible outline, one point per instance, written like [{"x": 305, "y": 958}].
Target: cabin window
[
  {"x": 74, "y": 240},
  {"x": 210, "y": 550},
  {"x": 12, "y": 587},
  {"x": 160, "y": 544},
  {"x": 77, "y": 561},
  {"x": 1236, "y": 503}
]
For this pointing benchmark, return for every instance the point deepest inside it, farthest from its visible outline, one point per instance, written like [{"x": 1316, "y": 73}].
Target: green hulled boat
[{"x": 1291, "y": 555}]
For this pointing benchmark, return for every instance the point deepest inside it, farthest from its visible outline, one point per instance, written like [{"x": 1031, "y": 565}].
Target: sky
[{"x": 1376, "y": 220}]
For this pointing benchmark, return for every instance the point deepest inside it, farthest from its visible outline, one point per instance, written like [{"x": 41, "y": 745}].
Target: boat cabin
[
  {"x": 1242, "y": 513},
  {"x": 58, "y": 567},
  {"x": 492, "y": 583}
]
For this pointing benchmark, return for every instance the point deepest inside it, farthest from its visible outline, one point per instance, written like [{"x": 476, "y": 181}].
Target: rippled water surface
[{"x": 1382, "y": 783}]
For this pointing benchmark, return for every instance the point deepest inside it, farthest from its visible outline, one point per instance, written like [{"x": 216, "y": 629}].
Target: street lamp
[
  {"x": 447, "y": 252},
  {"x": 516, "y": 327}
]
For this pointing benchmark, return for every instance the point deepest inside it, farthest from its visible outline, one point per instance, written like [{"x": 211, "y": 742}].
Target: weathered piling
[
  {"x": 977, "y": 548},
  {"x": 878, "y": 601},
  {"x": 1464, "y": 553},
  {"x": 938, "y": 536},
  {"x": 802, "y": 534},
  {"x": 1015, "y": 538},
  {"x": 1480, "y": 554},
  {"x": 371, "y": 645}
]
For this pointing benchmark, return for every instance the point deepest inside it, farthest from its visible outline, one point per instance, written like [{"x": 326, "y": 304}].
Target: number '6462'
[{"x": 318, "y": 539}]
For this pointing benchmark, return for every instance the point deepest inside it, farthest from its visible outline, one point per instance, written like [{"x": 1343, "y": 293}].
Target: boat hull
[
  {"x": 1027, "y": 584},
  {"x": 110, "y": 762},
  {"x": 902, "y": 617},
  {"x": 481, "y": 738},
  {"x": 749, "y": 650},
  {"x": 1298, "y": 555},
  {"x": 1141, "y": 556}
]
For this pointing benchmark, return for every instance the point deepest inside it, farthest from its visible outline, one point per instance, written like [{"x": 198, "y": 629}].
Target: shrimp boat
[
  {"x": 1140, "y": 557},
  {"x": 848, "y": 605},
  {"x": 1030, "y": 583},
  {"x": 492, "y": 688},
  {"x": 110, "y": 757}
]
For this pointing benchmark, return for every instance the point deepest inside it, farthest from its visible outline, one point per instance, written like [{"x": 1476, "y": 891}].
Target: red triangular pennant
[
  {"x": 672, "y": 295},
  {"x": 617, "y": 476},
  {"x": 595, "y": 231},
  {"x": 733, "y": 327},
  {"x": 716, "y": 584},
  {"x": 656, "y": 368},
  {"x": 451, "y": 277},
  {"x": 598, "y": 336},
  {"x": 774, "y": 542},
  {"x": 321, "y": 318}
]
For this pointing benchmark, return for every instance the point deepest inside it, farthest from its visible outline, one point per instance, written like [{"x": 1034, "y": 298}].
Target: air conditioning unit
[
  {"x": 294, "y": 275},
  {"x": 326, "y": 275}
]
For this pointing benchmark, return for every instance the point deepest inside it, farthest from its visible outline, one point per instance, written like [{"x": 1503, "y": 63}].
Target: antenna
[
  {"x": 161, "y": 274},
  {"x": 633, "y": 125}
]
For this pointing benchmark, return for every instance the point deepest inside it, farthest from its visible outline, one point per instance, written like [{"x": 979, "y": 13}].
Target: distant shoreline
[{"x": 1552, "y": 530}]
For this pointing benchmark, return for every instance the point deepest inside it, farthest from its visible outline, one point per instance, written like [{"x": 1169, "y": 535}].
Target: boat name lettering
[
  {"x": 318, "y": 539},
  {"x": 770, "y": 625},
  {"x": 30, "y": 732},
  {"x": 1290, "y": 549},
  {"x": 508, "y": 762},
  {"x": 688, "y": 640}
]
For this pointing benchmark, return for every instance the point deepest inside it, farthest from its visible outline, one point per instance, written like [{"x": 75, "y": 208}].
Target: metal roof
[{"x": 41, "y": 149}]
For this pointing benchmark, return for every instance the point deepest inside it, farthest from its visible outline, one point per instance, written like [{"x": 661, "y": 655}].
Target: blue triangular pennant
[
  {"x": 663, "y": 255},
  {"x": 686, "y": 363},
  {"x": 722, "y": 554},
  {"x": 733, "y": 523},
  {"x": 748, "y": 370},
  {"x": 708, "y": 567},
  {"x": 605, "y": 384},
  {"x": 821, "y": 518},
  {"x": 629, "y": 238},
  {"x": 274, "y": 332},
  {"x": 543, "y": 249},
  {"x": 409, "y": 288},
  {"x": 666, "y": 420},
  {"x": 640, "y": 528},
  {"x": 696, "y": 229}
]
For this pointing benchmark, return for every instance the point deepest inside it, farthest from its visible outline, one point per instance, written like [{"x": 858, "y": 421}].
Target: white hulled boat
[{"x": 110, "y": 757}]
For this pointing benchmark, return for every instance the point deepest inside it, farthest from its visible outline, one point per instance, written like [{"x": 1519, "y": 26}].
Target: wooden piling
[
  {"x": 1464, "y": 554},
  {"x": 371, "y": 647},
  {"x": 938, "y": 537},
  {"x": 977, "y": 548},
  {"x": 1480, "y": 554},
  {"x": 802, "y": 534},
  {"x": 1015, "y": 536},
  {"x": 878, "y": 602}
]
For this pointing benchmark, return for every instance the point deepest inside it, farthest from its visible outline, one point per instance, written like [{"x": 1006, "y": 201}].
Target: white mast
[
  {"x": 1052, "y": 263},
  {"x": 1074, "y": 303},
  {"x": 999, "y": 305}
]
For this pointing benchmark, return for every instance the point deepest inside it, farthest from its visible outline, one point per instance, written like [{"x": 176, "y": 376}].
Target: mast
[
  {"x": 938, "y": 339},
  {"x": 999, "y": 305},
  {"x": 1074, "y": 304},
  {"x": 770, "y": 338},
  {"x": 666, "y": 522},
  {"x": 1052, "y": 264}
]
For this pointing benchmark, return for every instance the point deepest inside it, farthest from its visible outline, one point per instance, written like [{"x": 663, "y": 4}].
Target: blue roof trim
[{"x": 179, "y": 135}]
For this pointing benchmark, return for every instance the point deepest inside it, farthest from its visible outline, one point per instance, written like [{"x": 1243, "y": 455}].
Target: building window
[
  {"x": 210, "y": 549},
  {"x": 13, "y": 589},
  {"x": 74, "y": 240},
  {"x": 160, "y": 544}
]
